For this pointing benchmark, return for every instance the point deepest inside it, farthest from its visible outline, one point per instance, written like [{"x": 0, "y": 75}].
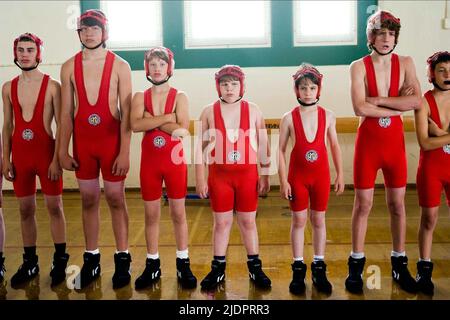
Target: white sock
[
  {"x": 318, "y": 258},
  {"x": 427, "y": 260},
  {"x": 183, "y": 254},
  {"x": 298, "y": 259},
  {"x": 357, "y": 255},
  {"x": 153, "y": 256},
  {"x": 96, "y": 251},
  {"x": 398, "y": 254},
  {"x": 124, "y": 251}
]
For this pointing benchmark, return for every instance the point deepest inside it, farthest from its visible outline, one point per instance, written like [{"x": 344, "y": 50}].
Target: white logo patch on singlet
[
  {"x": 446, "y": 148},
  {"x": 159, "y": 141},
  {"x": 384, "y": 122},
  {"x": 311, "y": 156},
  {"x": 27, "y": 134},
  {"x": 234, "y": 156},
  {"x": 94, "y": 119}
]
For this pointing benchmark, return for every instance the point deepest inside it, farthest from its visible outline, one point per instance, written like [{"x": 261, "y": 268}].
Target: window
[
  {"x": 133, "y": 24},
  {"x": 225, "y": 24},
  {"x": 325, "y": 23},
  {"x": 277, "y": 41}
]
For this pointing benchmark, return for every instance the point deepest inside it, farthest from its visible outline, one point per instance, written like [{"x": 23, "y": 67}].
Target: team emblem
[
  {"x": 384, "y": 122},
  {"x": 27, "y": 134},
  {"x": 311, "y": 156},
  {"x": 446, "y": 148},
  {"x": 234, "y": 156},
  {"x": 94, "y": 119},
  {"x": 159, "y": 142}
]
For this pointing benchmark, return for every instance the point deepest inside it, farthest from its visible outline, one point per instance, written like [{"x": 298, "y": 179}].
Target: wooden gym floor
[{"x": 275, "y": 250}]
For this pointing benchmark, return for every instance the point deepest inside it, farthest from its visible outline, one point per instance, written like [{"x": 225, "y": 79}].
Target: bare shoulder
[
  {"x": 286, "y": 119},
  {"x": 359, "y": 63},
  {"x": 68, "y": 65},
  {"x": 424, "y": 106},
  {"x": 138, "y": 95},
  {"x": 404, "y": 58},
  {"x": 207, "y": 111},
  {"x": 286, "y": 116},
  {"x": 182, "y": 95},
  {"x": 407, "y": 61},
  {"x": 122, "y": 64},
  {"x": 357, "y": 66},
  {"x": 330, "y": 117},
  {"x": 6, "y": 87},
  {"x": 54, "y": 84},
  {"x": 329, "y": 113},
  {"x": 254, "y": 108}
]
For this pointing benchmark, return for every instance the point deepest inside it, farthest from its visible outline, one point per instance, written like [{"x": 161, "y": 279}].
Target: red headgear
[
  {"x": 98, "y": 16},
  {"x": 36, "y": 40},
  {"x": 303, "y": 71},
  {"x": 434, "y": 60},
  {"x": 230, "y": 70},
  {"x": 375, "y": 22},
  {"x": 171, "y": 62}
]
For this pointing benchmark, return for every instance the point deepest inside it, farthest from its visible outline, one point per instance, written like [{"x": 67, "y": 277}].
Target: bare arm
[
  {"x": 406, "y": 101},
  {"x": 66, "y": 117},
  {"x": 335, "y": 153},
  {"x": 56, "y": 104},
  {"x": 361, "y": 107},
  {"x": 263, "y": 152},
  {"x": 425, "y": 141},
  {"x": 7, "y": 131},
  {"x": 142, "y": 121},
  {"x": 263, "y": 144},
  {"x": 283, "y": 141},
  {"x": 181, "y": 127},
  {"x": 125, "y": 106},
  {"x": 54, "y": 171},
  {"x": 200, "y": 161}
]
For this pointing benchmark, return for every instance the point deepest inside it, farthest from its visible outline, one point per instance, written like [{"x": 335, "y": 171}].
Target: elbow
[
  {"x": 134, "y": 127},
  {"x": 417, "y": 103},
  {"x": 425, "y": 145},
  {"x": 181, "y": 132},
  {"x": 359, "y": 112}
]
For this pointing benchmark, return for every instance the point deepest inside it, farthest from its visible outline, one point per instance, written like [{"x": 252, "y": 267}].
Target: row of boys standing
[{"x": 101, "y": 140}]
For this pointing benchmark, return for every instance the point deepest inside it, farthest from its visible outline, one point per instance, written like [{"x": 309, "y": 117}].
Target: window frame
[
  {"x": 322, "y": 42},
  {"x": 281, "y": 53},
  {"x": 130, "y": 48},
  {"x": 237, "y": 43}
]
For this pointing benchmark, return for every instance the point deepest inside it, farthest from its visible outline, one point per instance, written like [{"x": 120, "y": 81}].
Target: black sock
[
  {"x": 1, "y": 254},
  {"x": 60, "y": 248},
  {"x": 251, "y": 257},
  {"x": 219, "y": 258},
  {"x": 30, "y": 251}
]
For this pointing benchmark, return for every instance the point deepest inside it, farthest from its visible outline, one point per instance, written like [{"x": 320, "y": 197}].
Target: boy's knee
[
  {"x": 318, "y": 222},
  {"x": 428, "y": 221},
  {"x": 179, "y": 217},
  {"x": 27, "y": 210},
  {"x": 298, "y": 222},
  {"x": 89, "y": 201},
  {"x": 396, "y": 208},
  {"x": 248, "y": 224},
  {"x": 363, "y": 207},
  {"x": 115, "y": 199},
  {"x": 223, "y": 225}
]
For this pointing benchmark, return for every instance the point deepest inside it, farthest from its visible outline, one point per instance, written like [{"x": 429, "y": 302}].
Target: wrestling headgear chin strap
[
  {"x": 230, "y": 70},
  {"x": 171, "y": 63},
  {"x": 304, "y": 70},
  {"x": 441, "y": 56},
  {"x": 39, "y": 45}
]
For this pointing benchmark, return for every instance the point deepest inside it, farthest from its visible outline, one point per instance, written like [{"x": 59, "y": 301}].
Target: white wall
[{"x": 269, "y": 87}]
